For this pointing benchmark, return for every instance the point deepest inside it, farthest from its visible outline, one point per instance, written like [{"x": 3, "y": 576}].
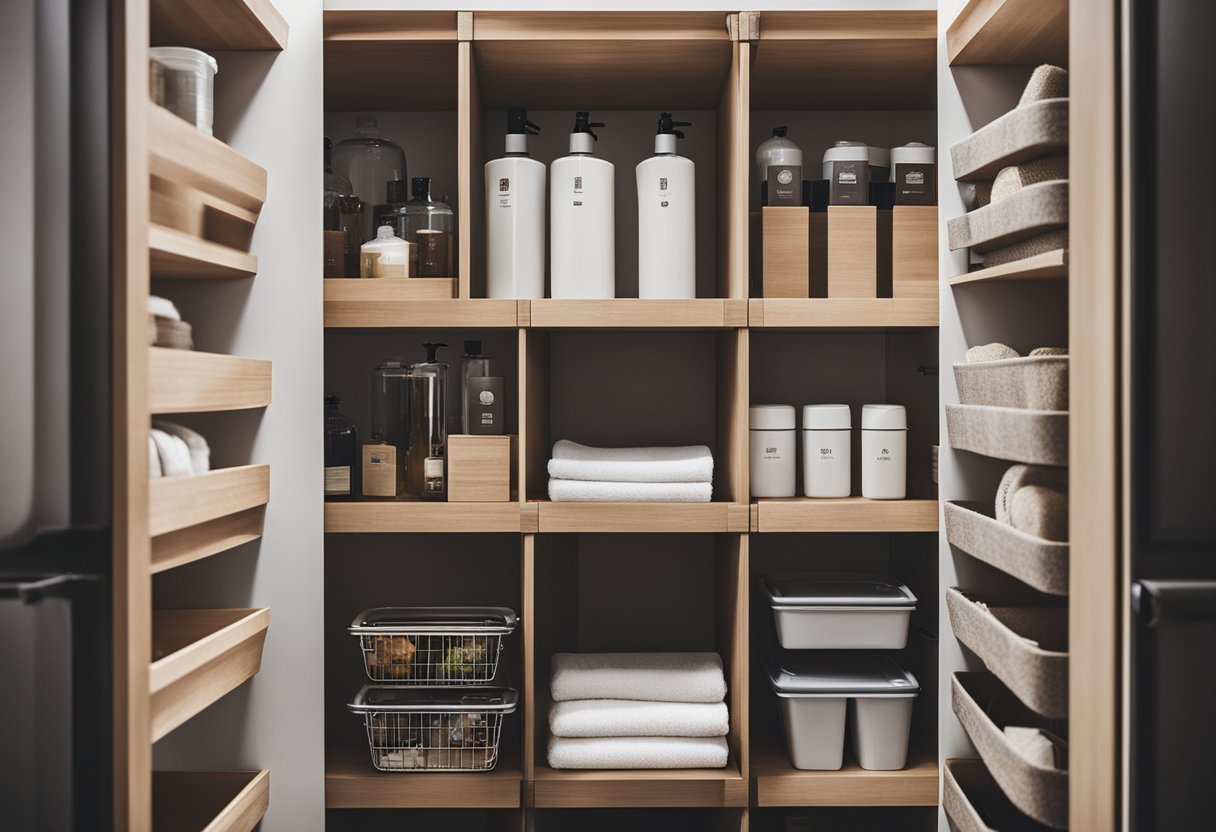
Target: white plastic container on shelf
[
  {"x": 582, "y": 206},
  {"x": 884, "y": 452},
  {"x": 515, "y": 216},
  {"x": 667, "y": 254},
  {"x": 827, "y": 450},
  {"x": 818, "y": 692},
  {"x": 840, "y": 611},
  {"x": 386, "y": 256},
  {"x": 183, "y": 82},
  {"x": 772, "y": 443}
]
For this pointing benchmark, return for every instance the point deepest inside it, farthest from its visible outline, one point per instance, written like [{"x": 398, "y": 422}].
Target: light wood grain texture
[
  {"x": 632, "y": 313},
  {"x": 174, "y": 254},
  {"x": 397, "y": 26},
  {"x": 529, "y": 518},
  {"x": 181, "y": 153},
  {"x": 351, "y": 782},
  {"x": 218, "y": 24},
  {"x": 733, "y": 590},
  {"x": 1050, "y": 265},
  {"x": 479, "y": 468},
  {"x": 176, "y": 503},
  {"x": 200, "y": 655},
  {"x": 351, "y": 303},
  {"x": 398, "y": 289},
  {"x": 844, "y": 313},
  {"x": 203, "y": 540},
  {"x": 527, "y": 628},
  {"x": 876, "y": 60},
  {"x": 200, "y": 214},
  {"x": 562, "y": 789},
  {"x": 421, "y": 516},
  {"x": 470, "y": 165},
  {"x": 780, "y": 784},
  {"x": 534, "y": 414},
  {"x": 786, "y": 244},
  {"x": 733, "y": 358},
  {"x": 637, "y": 517},
  {"x": 209, "y": 801},
  {"x": 733, "y": 161},
  {"x": 410, "y": 75},
  {"x": 1009, "y": 32},
  {"x": 185, "y": 381},
  {"x": 852, "y": 251},
  {"x": 914, "y": 251},
  {"x": 848, "y": 514}
]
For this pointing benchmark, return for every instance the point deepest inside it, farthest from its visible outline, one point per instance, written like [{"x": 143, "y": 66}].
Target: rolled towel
[
  {"x": 623, "y": 718},
  {"x": 163, "y": 308},
  {"x": 1040, "y": 511},
  {"x": 637, "y": 752},
  {"x": 174, "y": 454},
  {"x": 647, "y": 677},
  {"x": 1045, "y": 82},
  {"x": 582, "y": 491},
  {"x": 991, "y": 352},
  {"x": 200, "y": 451},
  {"x": 685, "y": 463},
  {"x": 1014, "y": 178},
  {"x": 1019, "y": 476}
]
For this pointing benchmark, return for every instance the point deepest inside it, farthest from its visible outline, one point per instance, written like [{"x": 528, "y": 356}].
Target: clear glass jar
[
  {"x": 370, "y": 162},
  {"x": 390, "y": 394},
  {"x": 337, "y": 189},
  {"x": 431, "y": 226}
]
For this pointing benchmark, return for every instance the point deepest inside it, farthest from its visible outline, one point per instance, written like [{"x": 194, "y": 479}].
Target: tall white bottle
[
  {"x": 667, "y": 264},
  {"x": 515, "y": 216},
  {"x": 582, "y": 202}
]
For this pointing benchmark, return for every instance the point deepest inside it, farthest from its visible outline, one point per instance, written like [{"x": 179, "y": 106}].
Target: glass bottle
[
  {"x": 425, "y": 462},
  {"x": 337, "y": 187},
  {"x": 341, "y": 453},
  {"x": 472, "y": 365},
  {"x": 395, "y": 198},
  {"x": 431, "y": 226},
  {"x": 390, "y": 390},
  {"x": 370, "y": 162}
]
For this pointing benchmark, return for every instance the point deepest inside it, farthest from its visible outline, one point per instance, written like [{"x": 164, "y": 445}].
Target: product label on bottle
[
  {"x": 337, "y": 481},
  {"x": 915, "y": 185},
  {"x": 664, "y": 193},
  {"x": 505, "y": 199},
  {"x": 578, "y": 192},
  {"x": 784, "y": 185},
  {"x": 379, "y": 471},
  {"x": 826, "y": 454},
  {"x": 772, "y": 453}
]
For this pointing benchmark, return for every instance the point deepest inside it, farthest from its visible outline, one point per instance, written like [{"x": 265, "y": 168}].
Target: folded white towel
[
  {"x": 622, "y": 718},
  {"x": 200, "y": 451},
  {"x": 163, "y": 308},
  {"x": 648, "y": 677},
  {"x": 153, "y": 459},
  {"x": 686, "y": 463},
  {"x": 584, "y": 491},
  {"x": 637, "y": 752},
  {"x": 174, "y": 454}
]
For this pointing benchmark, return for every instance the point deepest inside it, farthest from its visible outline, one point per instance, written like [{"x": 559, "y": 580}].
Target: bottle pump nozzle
[
  {"x": 668, "y": 127},
  {"x": 583, "y": 124},
  {"x": 517, "y": 122},
  {"x": 780, "y": 132},
  {"x": 432, "y": 351}
]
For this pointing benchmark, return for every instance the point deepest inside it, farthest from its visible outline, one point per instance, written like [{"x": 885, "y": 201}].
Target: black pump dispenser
[
  {"x": 517, "y": 122},
  {"x": 432, "y": 351},
  {"x": 583, "y": 124},
  {"x": 668, "y": 127}
]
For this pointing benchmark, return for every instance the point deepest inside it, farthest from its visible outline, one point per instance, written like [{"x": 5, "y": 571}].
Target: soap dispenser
[
  {"x": 667, "y": 266},
  {"x": 515, "y": 216},
  {"x": 582, "y": 203},
  {"x": 428, "y": 437}
]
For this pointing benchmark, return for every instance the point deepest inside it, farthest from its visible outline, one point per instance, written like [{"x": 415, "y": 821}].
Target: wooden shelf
[
  {"x": 1009, "y": 32},
  {"x": 181, "y": 153},
  {"x": 420, "y": 516},
  {"x": 351, "y": 782},
  {"x": 780, "y": 784},
  {"x": 412, "y": 55},
  {"x": 632, "y": 313},
  {"x": 198, "y": 656},
  {"x": 352, "y": 303},
  {"x": 563, "y": 789},
  {"x": 210, "y": 801},
  {"x": 849, "y": 514},
  {"x": 176, "y": 503},
  {"x": 643, "y": 517},
  {"x": 218, "y": 24},
  {"x": 185, "y": 381},
  {"x": 177, "y": 254},
  {"x": 843, "y": 313},
  {"x": 1050, "y": 265},
  {"x": 206, "y": 539}
]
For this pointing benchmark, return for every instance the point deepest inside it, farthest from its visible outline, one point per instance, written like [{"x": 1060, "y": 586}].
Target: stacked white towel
[
  {"x": 175, "y": 450},
  {"x": 638, "y": 710},
  {"x": 580, "y": 473}
]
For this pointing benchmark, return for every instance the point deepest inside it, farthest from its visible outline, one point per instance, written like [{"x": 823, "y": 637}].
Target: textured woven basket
[
  {"x": 1031, "y": 246},
  {"x": 1018, "y": 136},
  {"x": 972, "y": 800},
  {"x": 1032, "y": 383},
  {"x": 1038, "y": 437},
  {"x": 1041, "y": 564},
  {"x": 1027, "y": 213}
]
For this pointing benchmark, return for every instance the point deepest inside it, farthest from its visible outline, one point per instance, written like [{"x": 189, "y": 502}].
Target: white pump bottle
[
  {"x": 667, "y": 265},
  {"x": 582, "y": 204},
  {"x": 515, "y": 216}
]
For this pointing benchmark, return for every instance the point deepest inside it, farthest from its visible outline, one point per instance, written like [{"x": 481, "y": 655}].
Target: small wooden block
[
  {"x": 786, "y": 246},
  {"x": 479, "y": 468},
  {"x": 914, "y": 251},
  {"x": 852, "y": 251}
]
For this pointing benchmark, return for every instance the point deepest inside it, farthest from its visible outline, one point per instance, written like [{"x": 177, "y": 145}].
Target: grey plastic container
[
  {"x": 1037, "y": 382},
  {"x": 1036, "y": 437},
  {"x": 840, "y": 611},
  {"x": 818, "y": 689},
  {"x": 1020, "y": 135},
  {"x": 1039, "y": 563},
  {"x": 973, "y": 800},
  {"x": 1031, "y": 211}
]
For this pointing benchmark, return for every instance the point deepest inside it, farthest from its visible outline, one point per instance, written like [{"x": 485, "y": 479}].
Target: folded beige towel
[
  {"x": 1033, "y": 745},
  {"x": 991, "y": 352},
  {"x": 1046, "y": 81},
  {"x": 1013, "y": 178},
  {"x": 1040, "y": 511}
]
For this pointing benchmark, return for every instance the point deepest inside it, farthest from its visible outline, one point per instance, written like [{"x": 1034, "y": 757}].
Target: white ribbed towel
[
  {"x": 163, "y": 308},
  {"x": 637, "y": 752},
  {"x": 648, "y": 677},
  {"x": 174, "y": 454},
  {"x": 584, "y": 491},
  {"x": 153, "y": 459},
  {"x": 685, "y": 463},
  {"x": 200, "y": 451},
  {"x": 623, "y": 718}
]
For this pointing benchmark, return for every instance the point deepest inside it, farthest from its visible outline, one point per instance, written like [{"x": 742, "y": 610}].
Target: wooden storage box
[
  {"x": 479, "y": 468},
  {"x": 914, "y": 251},
  {"x": 785, "y": 234},
  {"x": 852, "y": 251}
]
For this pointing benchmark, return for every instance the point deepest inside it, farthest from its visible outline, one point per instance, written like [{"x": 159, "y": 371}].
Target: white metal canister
[
  {"x": 772, "y": 452},
  {"x": 827, "y": 459},
  {"x": 884, "y": 452}
]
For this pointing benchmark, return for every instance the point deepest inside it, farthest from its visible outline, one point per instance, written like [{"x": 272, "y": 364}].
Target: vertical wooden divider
[
  {"x": 470, "y": 161},
  {"x": 732, "y": 609},
  {"x": 534, "y": 414},
  {"x": 527, "y": 621},
  {"x": 733, "y": 348},
  {"x": 733, "y": 126}
]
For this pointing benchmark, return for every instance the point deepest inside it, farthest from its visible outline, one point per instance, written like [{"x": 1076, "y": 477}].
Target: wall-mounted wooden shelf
[
  {"x": 1009, "y": 32},
  {"x": 210, "y": 801},
  {"x": 420, "y": 46},
  {"x": 563, "y": 789},
  {"x": 218, "y": 24},
  {"x": 780, "y": 784},
  {"x": 843, "y": 313},
  {"x": 643, "y": 517},
  {"x": 185, "y": 381},
  {"x": 419, "y": 516},
  {"x": 849, "y": 514},
  {"x": 181, "y": 153},
  {"x": 206, "y": 539},
  {"x": 176, "y": 254},
  {"x": 352, "y": 303},
  {"x": 176, "y": 503},
  {"x": 632, "y": 313},
  {"x": 1050, "y": 265},
  {"x": 203, "y": 654},
  {"x": 351, "y": 782}
]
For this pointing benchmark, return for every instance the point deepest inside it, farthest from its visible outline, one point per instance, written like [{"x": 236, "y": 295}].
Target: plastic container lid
[
  {"x": 407, "y": 620},
  {"x": 838, "y": 589},
  {"x": 827, "y": 673},
  {"x": 382, "y": 698},
  {"x": 884, "y": 417},
  {"x": 771, "y": 417},
  {"x": 183, "y": 58},
  {"x": 827, "y": 417},
  {"x": 847, "y": 152},
  {"x": 913, "y": 153}
]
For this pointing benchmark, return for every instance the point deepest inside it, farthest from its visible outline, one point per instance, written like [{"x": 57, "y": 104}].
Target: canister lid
[
  {"x": 884, "y": 417},
  {"x": 181, "y": 58},
  {"x": 913, "y": 153},
  {"x": 383, "y": 698},
  {"x": 826, "y": 417},
  {"x": 880, "y": 157},
  {"x": 473, "y": 620},
  {"x": 833, "y": 673},
  {"x": 771, "y": 417},
  {"x": 847, "y": 152},
  {"x": 838, "y": 589}
]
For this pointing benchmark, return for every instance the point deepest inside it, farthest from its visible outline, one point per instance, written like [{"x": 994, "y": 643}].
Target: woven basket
[{"x": 1041, "y": 564}]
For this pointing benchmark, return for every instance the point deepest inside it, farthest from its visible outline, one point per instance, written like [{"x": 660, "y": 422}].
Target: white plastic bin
[
  {"x": 816, "y": 690},
  {"x": 183, "y": 82},
  {"x": 843, "y": 611}
]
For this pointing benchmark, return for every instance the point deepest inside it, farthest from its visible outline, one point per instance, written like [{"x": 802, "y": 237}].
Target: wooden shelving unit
[
  {"x": 1051, "y": 265},
  {"x": 418, "y": 516},
  {"x": 185, "y": 381},
  {"x": 352, "y": 783},
  {"x": 218, "y": 24},
  {"x": 421, "y": 46},
  {"x": 631, "y": 313},
  {"x": 351, "y": 303},
  {"x": 176, "y": 503},
  {"x": 642, "y": 517},
  {"x": 849, "y": 514},
  {"x": 777, "y": 783},
  {"x": 211, "y": 801},
  {"x": 709, "y": 788},
  {"x": 176, "y": 254},
  {"x": 1009, "y": 32},
  {"x": 842, "y": 313}
]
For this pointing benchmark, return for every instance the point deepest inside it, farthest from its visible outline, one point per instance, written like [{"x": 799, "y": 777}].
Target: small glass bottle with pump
[
  {"x": 384, "y": 454},
  {"x": 341, "y": 444},
  {"x": 370, "y": 161},
  {"x": 425, "y": 460}
]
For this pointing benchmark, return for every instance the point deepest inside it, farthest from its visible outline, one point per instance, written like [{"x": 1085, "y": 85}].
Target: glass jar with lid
[
  {"x": 431, "y": 226},
  {"x": 370, "y": 161}
]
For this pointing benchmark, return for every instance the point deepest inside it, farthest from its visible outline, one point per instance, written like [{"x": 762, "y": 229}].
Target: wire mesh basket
[
  {"x": 434, "y": 729},
  {"x": 432, "y": 645}
]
